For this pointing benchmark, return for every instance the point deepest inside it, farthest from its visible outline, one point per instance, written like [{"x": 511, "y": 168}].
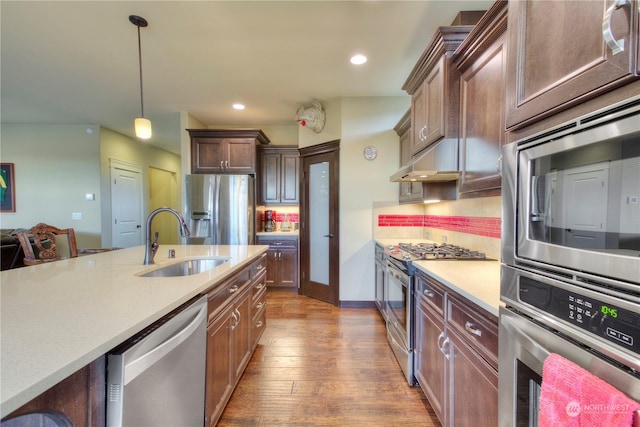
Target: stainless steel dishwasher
[{"x": 157, "y": 378}]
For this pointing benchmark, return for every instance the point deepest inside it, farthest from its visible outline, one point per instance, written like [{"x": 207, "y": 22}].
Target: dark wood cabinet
[
  {"x": 434, "y": 88},
  {"x": 79, "y": 399},
  {"x": 282, "y": 260},
  {"x": 563, "y": 53},
  {"x": 481, "y": 60},
  {"x": 225, "y": 151},
  {"x": 279, "y": 171},
  {"x": 410, "y": 192},
  {"x": 380, "y": 279},
  {"x": 431, "y": 369},
  {"x": 456, "y": 355},
  {"x": 232, "y": 334}
]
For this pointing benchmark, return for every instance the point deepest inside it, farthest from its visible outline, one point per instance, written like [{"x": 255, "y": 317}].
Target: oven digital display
[
  {"x": 609, "y": 311},
  {"x": 615, "y": 324}
]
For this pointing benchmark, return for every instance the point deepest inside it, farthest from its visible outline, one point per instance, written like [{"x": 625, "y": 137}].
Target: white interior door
[{"x": 126, "y": 204}]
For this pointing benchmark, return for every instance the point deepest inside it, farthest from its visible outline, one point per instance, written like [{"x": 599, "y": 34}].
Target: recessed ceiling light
[
  {"x": 358, "y": 59},
  {"x": 238, "y": 106}
]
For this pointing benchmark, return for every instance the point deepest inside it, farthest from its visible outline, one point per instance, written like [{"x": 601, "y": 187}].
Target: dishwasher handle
[{"x": 148, "y": 359}]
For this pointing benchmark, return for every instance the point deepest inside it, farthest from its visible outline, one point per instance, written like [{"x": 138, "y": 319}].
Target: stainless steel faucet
[{"x": 152, "y": 246}]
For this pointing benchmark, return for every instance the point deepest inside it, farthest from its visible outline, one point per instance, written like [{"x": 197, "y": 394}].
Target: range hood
[{"x": 437, "y": 164}]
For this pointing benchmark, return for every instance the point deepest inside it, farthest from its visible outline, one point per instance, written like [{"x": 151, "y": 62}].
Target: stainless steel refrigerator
[{"x": 220, "y": 209}]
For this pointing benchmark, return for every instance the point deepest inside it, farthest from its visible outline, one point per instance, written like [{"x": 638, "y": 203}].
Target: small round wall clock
[{"x": 370, "y": 153}]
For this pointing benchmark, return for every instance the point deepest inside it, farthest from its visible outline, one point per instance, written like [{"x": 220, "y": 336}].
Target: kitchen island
[{"x": 58, "y": 317}]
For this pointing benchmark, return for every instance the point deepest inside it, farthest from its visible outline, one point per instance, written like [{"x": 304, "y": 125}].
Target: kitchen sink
[{"x": 186, "y": 268}]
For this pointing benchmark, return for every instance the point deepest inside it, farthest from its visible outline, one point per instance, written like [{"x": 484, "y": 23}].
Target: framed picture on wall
[{"x": 7, "y": 188}]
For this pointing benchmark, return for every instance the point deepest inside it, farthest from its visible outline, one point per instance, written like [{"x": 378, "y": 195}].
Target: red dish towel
[{"x": 573, "y": 397}]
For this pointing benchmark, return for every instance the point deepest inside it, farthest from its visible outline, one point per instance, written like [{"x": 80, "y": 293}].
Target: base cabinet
[
  {"x": 456, "y": 356},
  {"x": 380, "y": 275},
  {"x": 78, "y": 400},
  {"x": 282, "y": 261},
  {"x": 233, "y": 334}
]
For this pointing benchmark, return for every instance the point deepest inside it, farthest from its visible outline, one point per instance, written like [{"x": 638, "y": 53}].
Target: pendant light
[{"x": 141, "y": 125}]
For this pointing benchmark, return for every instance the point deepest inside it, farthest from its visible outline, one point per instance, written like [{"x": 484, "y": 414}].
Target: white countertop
[
  {"x": 478, "y": 281},
  {"x": 58, "y": 317}
]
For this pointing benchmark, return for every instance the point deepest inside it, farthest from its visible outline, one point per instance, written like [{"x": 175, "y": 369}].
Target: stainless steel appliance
[
  {"x": 220, "y": 209},
  {"x": 269, "y": 220},
  {"x": 157, "y": 378},
  {"x": 596, "y": 330},
  {"x": 399, "y": 295},
  {"x": 573, "y": 198},
  {"x": 399, "y": 309},
  {"x": 570, "y": 270}
]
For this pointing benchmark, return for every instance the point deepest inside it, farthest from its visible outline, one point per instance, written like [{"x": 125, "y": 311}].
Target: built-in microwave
[{"x": 571, "y": 199}]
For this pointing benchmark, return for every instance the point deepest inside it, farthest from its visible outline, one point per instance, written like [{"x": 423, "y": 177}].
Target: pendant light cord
[{"x": 140, "y": 66}]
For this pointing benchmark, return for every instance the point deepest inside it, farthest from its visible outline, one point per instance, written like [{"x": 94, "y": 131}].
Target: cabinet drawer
[
  {"x": 429, "y": 291},
  {"x": 259, "y": 286},
  {"x": 479, "y": 330},
  {"x": 258, "y": 326},
  {"x": 278, "y": 243},
  {"x": 259, "y": 303},
  {"x": 259, "y": 266},
  {"x": 224, "y": 292}
]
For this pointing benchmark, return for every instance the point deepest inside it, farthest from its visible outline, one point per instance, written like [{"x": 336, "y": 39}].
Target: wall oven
[
  {"x": 573, "y": 198},
  {"x": 570, "y": 275},
  {"x": 597, "y": 331}
]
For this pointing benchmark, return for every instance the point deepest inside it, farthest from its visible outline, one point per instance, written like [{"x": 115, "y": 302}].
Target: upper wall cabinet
[
  {"x": 278, "y": 177},
  {"x": 225, "y": 151},
  {"x": 481, "y": 60},
  {"x": 410, "y": 192},
  {"x": 434, "y": 89},
  {"x": 562, "y": 53}
]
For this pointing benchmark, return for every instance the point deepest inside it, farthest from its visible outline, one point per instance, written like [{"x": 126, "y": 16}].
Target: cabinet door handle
[
  {"x": 472, "y": 329},
  {"x": 280, "y": 256},
  {"x": 499, "y": 165},
  {"x": 226, "y": 164},
  {"x": 616, "y": 46},
  {"x": 259, "y": 324},
  {"x": 259, "y": 305},
  {"x": 259, "y": 286},
  {"x": 328, "y": 235},
  {"x": 233, "y": 289},
  {"x": 239, "y": 316},
  {"x": 445, "y": 348},
  {"x": 221, "y": 164},
  {"x": 441, "y": 336},
  {"x": 235, "y": 320}
]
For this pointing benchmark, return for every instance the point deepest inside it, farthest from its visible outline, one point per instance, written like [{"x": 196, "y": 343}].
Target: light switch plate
[{"x": 76, "y": 215}]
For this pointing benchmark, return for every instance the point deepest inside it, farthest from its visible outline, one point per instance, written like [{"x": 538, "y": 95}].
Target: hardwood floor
[{"x": 319, "y": 365}]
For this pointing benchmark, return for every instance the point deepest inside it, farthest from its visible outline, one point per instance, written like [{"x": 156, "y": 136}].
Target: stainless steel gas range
[{"x": 398, "y": 293}]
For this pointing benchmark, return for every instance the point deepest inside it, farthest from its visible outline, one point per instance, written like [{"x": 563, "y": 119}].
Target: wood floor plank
[{"x": 319, "y": 365}]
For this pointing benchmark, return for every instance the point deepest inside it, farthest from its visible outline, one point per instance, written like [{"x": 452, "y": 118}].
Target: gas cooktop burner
[{"x": 432, "y": 251}]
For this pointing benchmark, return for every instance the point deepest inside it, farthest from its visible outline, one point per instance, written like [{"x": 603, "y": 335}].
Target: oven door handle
[
  {"x": 397, "y": 276},
  {"x": 517, "y": 327}
]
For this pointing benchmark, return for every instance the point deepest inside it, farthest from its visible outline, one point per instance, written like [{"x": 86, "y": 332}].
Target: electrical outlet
[
  {"x": 444, "y": 239},
  {"x": 76, "y": 215},
  {"x": 427, "y": 235}
]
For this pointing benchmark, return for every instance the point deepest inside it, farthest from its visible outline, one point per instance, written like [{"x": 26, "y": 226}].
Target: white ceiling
[{"x": 76, "y": 62}]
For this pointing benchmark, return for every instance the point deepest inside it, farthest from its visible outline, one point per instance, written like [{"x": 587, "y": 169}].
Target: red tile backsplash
[{"x": 482, "y": 226}]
